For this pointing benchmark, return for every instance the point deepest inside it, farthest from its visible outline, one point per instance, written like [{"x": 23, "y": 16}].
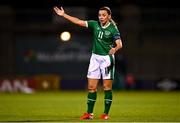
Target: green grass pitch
[{"x": 68, "y": 106}]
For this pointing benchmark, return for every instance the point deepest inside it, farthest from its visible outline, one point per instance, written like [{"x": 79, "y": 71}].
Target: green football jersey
[{"x": 103, "y": 37}]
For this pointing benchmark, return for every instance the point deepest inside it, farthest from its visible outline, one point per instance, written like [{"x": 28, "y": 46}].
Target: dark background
[
  {"x": 87, "y": 3},
  {"x": 150, "y": 31}
]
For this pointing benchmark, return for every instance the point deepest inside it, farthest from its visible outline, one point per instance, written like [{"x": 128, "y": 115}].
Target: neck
[{"x": 105, "y": 24}]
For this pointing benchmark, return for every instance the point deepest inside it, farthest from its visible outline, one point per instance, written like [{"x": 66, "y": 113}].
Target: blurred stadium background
[{"x": 34, "y": 57}]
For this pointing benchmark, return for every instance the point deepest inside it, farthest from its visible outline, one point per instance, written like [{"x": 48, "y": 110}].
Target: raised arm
[{"x": 75, "y": 20}]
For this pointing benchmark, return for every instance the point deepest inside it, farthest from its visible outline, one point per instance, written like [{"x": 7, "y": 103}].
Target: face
[{"x": 103, "y": 17}]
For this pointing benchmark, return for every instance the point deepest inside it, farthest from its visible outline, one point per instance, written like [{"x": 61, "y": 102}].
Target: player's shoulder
[
  {"x": 92, "y": 21},
  {"x": 114, "y": 27}
]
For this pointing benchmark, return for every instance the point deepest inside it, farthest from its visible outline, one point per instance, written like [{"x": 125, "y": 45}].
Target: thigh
[
  {"x": 108, "y": 67},
  {"x": 94, "y": 69}
]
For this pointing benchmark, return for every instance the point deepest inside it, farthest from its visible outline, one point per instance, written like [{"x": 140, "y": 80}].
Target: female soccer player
[{"x": 106, "y": 41}]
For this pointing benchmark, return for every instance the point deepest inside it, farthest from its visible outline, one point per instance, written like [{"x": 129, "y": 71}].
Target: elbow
[
  {"x": 120, "y": 46},
  {"x": 81, "y": 23}
]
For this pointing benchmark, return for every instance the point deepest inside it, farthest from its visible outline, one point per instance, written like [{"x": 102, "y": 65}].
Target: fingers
[
  {"x": 62, "y": 9},
  {"x": 56, "y": 8},
  {"x": 59, "y": 11}
]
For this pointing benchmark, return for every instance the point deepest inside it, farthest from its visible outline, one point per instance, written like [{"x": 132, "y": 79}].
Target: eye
[{"x": 100, "y": 15}]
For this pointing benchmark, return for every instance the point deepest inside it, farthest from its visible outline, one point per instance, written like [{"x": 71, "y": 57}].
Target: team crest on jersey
[{"x": 107, "y": 33}]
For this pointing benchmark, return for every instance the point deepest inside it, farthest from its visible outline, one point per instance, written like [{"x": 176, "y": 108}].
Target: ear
[{"x": 109, "y": 17}]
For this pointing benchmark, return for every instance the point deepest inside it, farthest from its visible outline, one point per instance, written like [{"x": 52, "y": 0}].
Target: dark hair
[{"x": 107, "y": 9}]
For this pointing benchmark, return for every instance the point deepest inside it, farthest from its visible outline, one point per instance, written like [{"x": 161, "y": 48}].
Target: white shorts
[{"x": 101, "y": 66}]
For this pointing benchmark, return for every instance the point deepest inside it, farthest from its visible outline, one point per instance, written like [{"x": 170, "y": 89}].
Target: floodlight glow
[{"x": 65, "y": 36}]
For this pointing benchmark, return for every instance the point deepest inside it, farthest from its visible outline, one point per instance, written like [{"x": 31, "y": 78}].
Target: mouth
[{"x": 101, "y": 21}]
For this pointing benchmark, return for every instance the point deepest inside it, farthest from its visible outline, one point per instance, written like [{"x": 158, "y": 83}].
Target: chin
[{"x": 103, "y": 23}]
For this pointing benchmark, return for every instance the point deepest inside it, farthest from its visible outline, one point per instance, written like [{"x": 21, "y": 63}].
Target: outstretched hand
[{"x": 58, "y": 11}]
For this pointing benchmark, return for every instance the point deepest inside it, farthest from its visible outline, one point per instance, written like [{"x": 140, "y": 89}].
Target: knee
[
  {"x": 107, "y": 87},
  {"x": 92, "y": 88}
]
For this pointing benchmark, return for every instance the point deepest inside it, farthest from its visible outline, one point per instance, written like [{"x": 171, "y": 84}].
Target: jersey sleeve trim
[{"x": 86, "y": 24}]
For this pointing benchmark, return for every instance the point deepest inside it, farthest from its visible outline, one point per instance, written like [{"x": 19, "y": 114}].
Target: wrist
[{"x": 114, "y": 49}]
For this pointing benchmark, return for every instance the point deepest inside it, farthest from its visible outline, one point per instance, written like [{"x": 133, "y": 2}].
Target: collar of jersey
[{"x": 106, "y": 25}]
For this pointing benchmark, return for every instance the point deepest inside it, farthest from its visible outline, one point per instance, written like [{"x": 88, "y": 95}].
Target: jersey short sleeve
[{"x": 91, "y": 24}]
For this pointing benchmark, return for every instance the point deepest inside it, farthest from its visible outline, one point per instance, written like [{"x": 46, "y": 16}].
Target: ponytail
[{"x": 113, "y": 22}]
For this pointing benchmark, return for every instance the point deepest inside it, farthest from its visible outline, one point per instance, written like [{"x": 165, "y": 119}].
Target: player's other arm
[
  {"x": 118, "y": 44},
  {"x": 75, "y": 20}
]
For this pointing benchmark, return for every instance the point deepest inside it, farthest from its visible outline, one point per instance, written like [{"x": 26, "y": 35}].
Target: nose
[{"x": 100, "y": 18}]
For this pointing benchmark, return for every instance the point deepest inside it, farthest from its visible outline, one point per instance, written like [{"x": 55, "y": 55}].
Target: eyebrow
[{"x": 102, "y": 14}]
